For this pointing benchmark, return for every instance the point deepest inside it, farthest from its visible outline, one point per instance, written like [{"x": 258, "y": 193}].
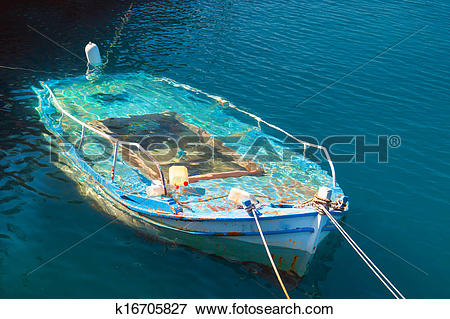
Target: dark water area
[{"x": 270, "y": 58}]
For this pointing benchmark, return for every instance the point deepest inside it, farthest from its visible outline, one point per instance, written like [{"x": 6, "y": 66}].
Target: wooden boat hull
[
  {"x": 293, "y": 240},
  {"x": 291, "y": 251}
]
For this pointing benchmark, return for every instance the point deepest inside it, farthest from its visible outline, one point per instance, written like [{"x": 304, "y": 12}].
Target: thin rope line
[
  {"x": 270, "y": 255},
  {"x": 72, "y": 246},
  {"x": 23, "y": 69},
  {"x": 361, "y": 252},
  {"x": 367, "y": 262},
  {"x": 362, "y": 65},
  {"x": 118, "y": 33},
  {"x": 385, "y": 248},
  {"x": 56, "y": 43},
  {"x": 54, "y": 73},
  {"x": 364, "y": 257}
]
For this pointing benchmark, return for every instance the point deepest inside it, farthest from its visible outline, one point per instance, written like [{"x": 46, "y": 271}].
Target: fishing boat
[{"x": 193, "y": 167}]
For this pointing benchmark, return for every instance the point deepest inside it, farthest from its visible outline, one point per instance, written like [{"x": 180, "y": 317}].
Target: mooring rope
[
  {"x": 390, "y": 286},
  {"x": 118, "y": 33},
  {"x": 270, "y": 256},
  {"x": 24, "y": 69},
  {"x": 252, "y": 210},
  {"x": 54, "y": 73},
  {"x": 56, "y": 43},
  {"x": 322, "y": 206}
]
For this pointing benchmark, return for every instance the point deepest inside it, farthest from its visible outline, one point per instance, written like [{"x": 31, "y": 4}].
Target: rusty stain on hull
[{"x": 294, "y": 263}]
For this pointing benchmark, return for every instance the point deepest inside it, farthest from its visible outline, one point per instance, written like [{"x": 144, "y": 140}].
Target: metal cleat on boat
[{"x": 250, "y": 208}]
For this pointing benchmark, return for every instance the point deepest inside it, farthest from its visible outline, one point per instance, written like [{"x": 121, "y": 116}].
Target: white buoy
[
  {"x": 238, "y": 196},
  {"x": 93, "y": 54}
]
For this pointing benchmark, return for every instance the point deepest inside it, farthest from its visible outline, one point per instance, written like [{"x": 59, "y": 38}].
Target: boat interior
[{"x": 183, "y": 127}]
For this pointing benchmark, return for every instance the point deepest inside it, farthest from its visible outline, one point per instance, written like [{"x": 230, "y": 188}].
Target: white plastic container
[
  {"x": 237, "y": 196},
  {"x": 156, "y": 189},
  {"x": 93, "y": 54},
  {"x": 178, "y": 176}
]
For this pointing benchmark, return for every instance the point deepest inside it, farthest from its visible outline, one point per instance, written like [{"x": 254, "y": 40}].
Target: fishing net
[{"x": 172, "y": 141}]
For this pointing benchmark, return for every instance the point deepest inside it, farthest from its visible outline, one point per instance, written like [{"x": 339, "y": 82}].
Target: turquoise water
[{"x": 266, "y": 58}]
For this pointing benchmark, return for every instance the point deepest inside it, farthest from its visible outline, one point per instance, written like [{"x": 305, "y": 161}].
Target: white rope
[
  {"x": 56, "y": 43},
  {"x": 389, "y": 285},
  {"x": 255, "y": 215},
  {"x": 24, "y": 69}
]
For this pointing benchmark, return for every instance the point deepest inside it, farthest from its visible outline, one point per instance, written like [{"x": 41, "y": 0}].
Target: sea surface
[{"x": 315, "y": 68}]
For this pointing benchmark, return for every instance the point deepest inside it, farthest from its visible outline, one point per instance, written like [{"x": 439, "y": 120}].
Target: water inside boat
[
  {"x": 178, "y": 124},
  {"x": 171, "y": 141}
]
